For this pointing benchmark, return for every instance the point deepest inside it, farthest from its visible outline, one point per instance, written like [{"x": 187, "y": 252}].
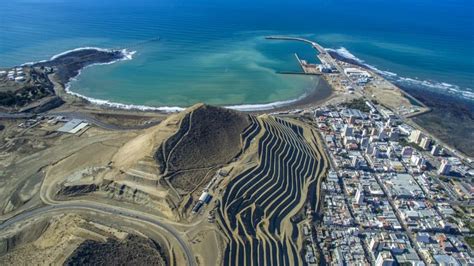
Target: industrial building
[{"x": 73, "y": 126}]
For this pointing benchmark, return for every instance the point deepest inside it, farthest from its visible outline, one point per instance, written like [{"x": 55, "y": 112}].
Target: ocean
[{"x": 214, "y": 51}]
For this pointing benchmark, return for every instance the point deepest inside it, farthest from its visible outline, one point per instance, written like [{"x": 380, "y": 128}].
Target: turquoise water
[{"x": 214, "y": 51}]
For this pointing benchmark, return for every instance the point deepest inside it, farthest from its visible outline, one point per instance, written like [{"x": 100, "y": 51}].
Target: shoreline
[
  {"x": 342, "y": 54},
  {"x": 318, "y": 94},
  {"x": 321, "y": 91}
]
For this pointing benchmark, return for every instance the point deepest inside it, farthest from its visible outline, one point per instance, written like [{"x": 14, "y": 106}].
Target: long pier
[
  {"x": 315, "y": 45},
  {"x": 323, "y": 55},
  {"x": 297, "y": 73}
]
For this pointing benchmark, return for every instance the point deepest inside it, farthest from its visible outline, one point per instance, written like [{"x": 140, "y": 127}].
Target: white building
[
  {"x": 425, "y": 143},
  {"x": 416, "y": 136},
  {"x": 445, "y": 168},
  {"x": 385, "y": 258},
  {"x": 356, "y": 72},
  {"x": 359, "y": 196}
]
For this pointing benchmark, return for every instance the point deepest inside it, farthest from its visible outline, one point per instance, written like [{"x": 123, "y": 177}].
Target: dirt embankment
[
  {"x": 70, "y": 239},
  {"x": 133, "y": 250}
]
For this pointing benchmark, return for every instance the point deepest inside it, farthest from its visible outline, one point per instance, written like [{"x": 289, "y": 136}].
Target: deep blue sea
[{"x": 214, "y": 51}]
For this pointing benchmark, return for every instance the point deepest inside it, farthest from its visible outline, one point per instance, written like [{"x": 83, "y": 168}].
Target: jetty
[
  {"x": 328, "y": 65},
  {"x": 315, "y": 45},
  {"x": 308, "y": 69},
  {"x": 356, "y": 80}
]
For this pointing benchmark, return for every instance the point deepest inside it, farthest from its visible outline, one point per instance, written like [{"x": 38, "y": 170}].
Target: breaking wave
[
  {"x": 264, "y": 106},
  {"x": 111, "y": 104},
  {"x": 128, "y": 55},
  {"x": 444, "y": 87}
]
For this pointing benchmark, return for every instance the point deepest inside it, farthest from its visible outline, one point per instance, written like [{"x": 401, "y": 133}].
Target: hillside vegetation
[{"x": 197, "y": 147}]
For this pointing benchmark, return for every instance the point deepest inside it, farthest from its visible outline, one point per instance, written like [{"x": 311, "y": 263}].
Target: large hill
[{"x": 207, "y": 137}]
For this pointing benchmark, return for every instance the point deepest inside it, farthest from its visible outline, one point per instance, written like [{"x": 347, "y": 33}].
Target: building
[
  {"x": 365, "y": 132},
  {"x": 355, "y": 162},
  {"x": 387, "y": 114},
  {"x": 407, "y": 151},
  {"x": 394, "y": 135},
  {"x": 356, "y": 72},
  {"x": 417, "y": 160},
  {"x": 445, "y": 168},
  {"x": 397, "y": 166},
  {"x": 385, "y": 258},
  {"x": 415, "y": 136},
  {"x": 373, "y": 132},
  {"x": 351, "y": 120},
  {"x": 73, "y": 126},
  {"x": 436, "y": 150},
  {"x": 359, "y": 196},
  {"x": 364, "y": 142},
  {"x": 425, "y": 143},
  {"x": 402, "y": 186},
  {"x": 347, "y": 131},
  {"x": 205, "y": 197},
  {"x": 405, "y": 129}
]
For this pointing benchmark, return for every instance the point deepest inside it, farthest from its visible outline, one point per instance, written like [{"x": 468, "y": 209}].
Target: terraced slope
[{"x": 258, "y": 203}]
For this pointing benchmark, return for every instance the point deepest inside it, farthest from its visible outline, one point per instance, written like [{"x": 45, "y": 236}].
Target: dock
[
  {"x": 315, "y": 45},
  {"x": 327, "y": 62},
  {"x": 296, "y": 73},
  {"x": 308, "y": 69},
  {"x": 330, "y": 65}
]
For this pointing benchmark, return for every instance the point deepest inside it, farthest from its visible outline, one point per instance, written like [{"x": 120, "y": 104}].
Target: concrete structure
[
  {"x": 403, "y": 186},
  {"x": 385, "y": 258},
  {"x": 425, "y": 143},
  {"x": 73, "y": 126},
  {"x": 205, "y": 197},
  {"x": 356, "y": 72},
  {"x": 359, "y": 196},
  {"x": 415, "y": 136},
  {"x": 407, "y": 151},
  {"x": 445, "y": 168},
  {"x": 347, "y": 131},
  {"x": 436, "y": 150}
]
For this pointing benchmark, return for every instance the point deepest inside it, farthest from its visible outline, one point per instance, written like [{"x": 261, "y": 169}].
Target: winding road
[{"x": 110, "y": 210}]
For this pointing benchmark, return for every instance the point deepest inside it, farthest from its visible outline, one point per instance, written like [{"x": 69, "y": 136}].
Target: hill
[{"x": 208, "y": 137}]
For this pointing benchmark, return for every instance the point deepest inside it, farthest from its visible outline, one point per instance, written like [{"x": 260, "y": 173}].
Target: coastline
[
  {"x": 342, "y": 54},
  {"x": 450, "y": 119},
  {"x": 451, "y": 113},
  {"x": 321, "y": 92}
]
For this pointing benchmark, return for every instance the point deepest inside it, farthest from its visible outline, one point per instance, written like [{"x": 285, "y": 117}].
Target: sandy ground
[{"x": 52, "y": 239}]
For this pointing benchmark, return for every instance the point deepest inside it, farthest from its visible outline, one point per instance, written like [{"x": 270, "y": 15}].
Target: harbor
[{"x": 349, "y": 79}]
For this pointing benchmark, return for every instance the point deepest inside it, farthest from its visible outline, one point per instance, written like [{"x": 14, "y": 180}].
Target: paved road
[
  {"x": 408, "y": 231},
  {"x": 108, "y": 210},
  {"x": 15, "y": 115}
]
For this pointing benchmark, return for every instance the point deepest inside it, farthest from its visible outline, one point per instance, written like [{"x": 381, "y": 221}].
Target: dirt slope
[{"x": 208, "y": 137}]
